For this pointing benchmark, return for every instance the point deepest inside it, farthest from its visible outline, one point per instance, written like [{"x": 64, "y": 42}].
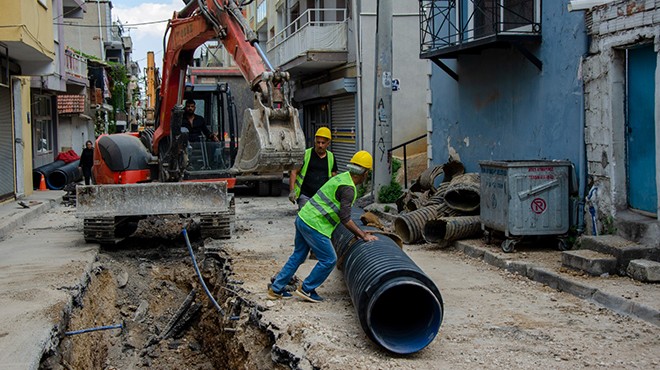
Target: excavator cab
[{"x": 207, "y": 158}]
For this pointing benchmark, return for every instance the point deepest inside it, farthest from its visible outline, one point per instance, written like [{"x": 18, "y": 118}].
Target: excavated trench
[{"x": 150, "y": 288}]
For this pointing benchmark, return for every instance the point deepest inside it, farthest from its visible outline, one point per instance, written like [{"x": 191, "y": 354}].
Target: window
[
  {"x": 43, "y": 124},
  {"x": 262, "y": 8}
]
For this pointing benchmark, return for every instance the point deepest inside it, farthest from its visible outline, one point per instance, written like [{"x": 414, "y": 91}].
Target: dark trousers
[{"x": 87, "y": 174}]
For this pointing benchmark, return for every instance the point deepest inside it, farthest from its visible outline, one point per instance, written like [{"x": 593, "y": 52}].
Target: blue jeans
[{"x": 306, "y": 239}]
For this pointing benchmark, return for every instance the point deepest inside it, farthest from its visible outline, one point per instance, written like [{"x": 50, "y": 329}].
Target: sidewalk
[
  {"x": 44, "y": 267},
  {"x": 617, "y": 293},
  {"x": 13, "y": 215}
]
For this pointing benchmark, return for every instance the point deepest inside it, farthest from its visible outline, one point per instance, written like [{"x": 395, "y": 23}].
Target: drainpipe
[
  {"x": 582, "y": 166},
  {"x": 358, "y": 58},
  {"x": 98, "y": 8}
]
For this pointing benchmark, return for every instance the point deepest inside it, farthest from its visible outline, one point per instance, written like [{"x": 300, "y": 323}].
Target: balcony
[
  {"x": 450, "y": 28},
  {"x": 313, "y": 42},
  {"x": 75, "y": 67}
]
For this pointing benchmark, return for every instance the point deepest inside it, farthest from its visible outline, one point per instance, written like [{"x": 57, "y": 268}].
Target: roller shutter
[
  {"x": 343, "y": 129},
  {"x": 6, "y": 146}
]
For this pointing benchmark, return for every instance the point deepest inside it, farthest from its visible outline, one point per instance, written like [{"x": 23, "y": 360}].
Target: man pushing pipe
[{"x": 317, "y": 219}]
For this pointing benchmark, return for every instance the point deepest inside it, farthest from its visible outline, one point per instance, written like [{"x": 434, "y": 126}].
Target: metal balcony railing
[
  {"x": 75, "y": 65},
  {"x": 451, "y": 23},
  {"x": 314, "y": 30}
]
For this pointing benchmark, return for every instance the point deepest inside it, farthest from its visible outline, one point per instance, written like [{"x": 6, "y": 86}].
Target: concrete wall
[
  {"x": 615, "y": 27},
  {"x": 73, "y": 132},
  {"x": 503, "y": 107},
  {"x": 22, "y": 131},
  {"x": 409, "y": 105}
]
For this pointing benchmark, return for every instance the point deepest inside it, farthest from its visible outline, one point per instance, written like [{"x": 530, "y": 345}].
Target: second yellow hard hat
[{"x": 324, "y": 132}]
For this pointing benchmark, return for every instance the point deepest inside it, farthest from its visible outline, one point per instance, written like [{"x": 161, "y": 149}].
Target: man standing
[
  {"x": 318, "y": 167},
  {"x": 315, "y": 223},
  {"x": 195, "y": 124}
]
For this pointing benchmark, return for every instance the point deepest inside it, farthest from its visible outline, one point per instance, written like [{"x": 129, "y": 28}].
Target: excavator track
[
  {"x": 218, "y": 225},
  {"x": 103, "y": 230}
]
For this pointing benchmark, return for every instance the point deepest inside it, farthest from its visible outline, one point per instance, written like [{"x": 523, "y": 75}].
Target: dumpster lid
[{"x": 526, "y": 163}]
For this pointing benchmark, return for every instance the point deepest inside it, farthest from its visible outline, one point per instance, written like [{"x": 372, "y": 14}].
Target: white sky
[{"x": 145, "y": 37}]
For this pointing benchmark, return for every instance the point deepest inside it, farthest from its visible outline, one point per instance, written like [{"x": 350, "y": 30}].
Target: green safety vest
[
  {"x": 321, "y": 212},
  {"x": 300, "y": 177}
]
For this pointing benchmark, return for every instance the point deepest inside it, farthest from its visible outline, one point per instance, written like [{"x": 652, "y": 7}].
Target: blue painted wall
[{"x": 503, "y": 107}]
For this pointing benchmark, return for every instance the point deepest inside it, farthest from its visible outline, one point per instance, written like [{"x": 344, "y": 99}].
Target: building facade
[
  {"x": 26, "y": 48},
  {"x": 622, "y": 117},
  {"x": 572, "y": 80},
  {"x": 328, "y": 47}
]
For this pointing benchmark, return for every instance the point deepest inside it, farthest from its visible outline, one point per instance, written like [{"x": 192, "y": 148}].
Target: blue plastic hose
[
  {"x": 199, "y": 274},
  {"x": 74, "y": 332}
]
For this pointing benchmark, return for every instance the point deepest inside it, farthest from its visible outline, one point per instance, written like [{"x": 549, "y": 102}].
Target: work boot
[
  {"x": 272, "y": 295},
  {"x": 310, "y": 296}
]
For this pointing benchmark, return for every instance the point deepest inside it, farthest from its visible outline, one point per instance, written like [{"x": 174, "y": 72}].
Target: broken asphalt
[{"x": 43, "y": 273}]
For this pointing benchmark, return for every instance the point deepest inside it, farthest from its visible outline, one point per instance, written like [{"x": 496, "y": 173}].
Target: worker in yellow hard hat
[
  {"x": 315, "y": 223},
  {"x": 318, "y": 167}
]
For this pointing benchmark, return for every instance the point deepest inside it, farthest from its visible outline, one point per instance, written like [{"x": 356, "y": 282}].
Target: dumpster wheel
[
  {"x": 509, "y": 245},
  {"x": 562, "y": 245}
]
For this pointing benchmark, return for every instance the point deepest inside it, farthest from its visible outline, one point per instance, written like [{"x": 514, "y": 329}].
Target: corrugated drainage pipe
[
  {"x": 399, "y": 307},
  {"x": 451, "y": 228},
  {"x": 409, "y": 225},
  {"x": 64, "y": 175},
  {"x": 44, "y": 170}
]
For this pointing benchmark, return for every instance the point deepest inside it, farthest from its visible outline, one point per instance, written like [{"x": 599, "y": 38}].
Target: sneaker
[
  {"x": 274, "y": 295},
  {"x": 308, "y": 296}
]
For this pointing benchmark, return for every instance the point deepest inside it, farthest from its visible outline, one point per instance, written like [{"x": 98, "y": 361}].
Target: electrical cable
[{"x": 199, "y": 274}]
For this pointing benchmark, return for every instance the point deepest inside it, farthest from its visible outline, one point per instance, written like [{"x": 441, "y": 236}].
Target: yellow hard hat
[
  {"x": 324, "y": 132},
  {"x": 362, "y": 158}
]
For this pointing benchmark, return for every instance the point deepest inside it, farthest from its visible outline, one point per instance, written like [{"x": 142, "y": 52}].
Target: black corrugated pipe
[
  {"x": 44, "y": 170},
  {"x": 64, "y": 175},
  {"x": 399, "y": 307}
]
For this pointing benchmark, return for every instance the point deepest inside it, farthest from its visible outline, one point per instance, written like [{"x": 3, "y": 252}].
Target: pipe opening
[
  {"x": 404, "y": 316},
  {"x": 402, "y": 229},
  {"x": 57, "y": 180}
]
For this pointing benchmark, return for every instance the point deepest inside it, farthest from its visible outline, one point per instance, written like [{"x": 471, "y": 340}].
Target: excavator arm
[{"x": 271, "y": 139}]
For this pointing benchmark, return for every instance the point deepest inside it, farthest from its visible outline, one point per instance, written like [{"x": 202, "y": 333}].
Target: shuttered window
[{"x": 343, "y": 129}]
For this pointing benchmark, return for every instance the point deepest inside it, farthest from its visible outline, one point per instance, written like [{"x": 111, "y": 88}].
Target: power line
[{"x": 113, "y": 25}]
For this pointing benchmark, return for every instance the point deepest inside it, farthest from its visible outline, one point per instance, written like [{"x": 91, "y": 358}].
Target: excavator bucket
[{"x": 271, "y": 141}]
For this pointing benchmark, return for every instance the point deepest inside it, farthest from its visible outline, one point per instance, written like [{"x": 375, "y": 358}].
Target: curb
[
  {"x": 563, "y": 284},
  {"x": 11, "y": 223}
]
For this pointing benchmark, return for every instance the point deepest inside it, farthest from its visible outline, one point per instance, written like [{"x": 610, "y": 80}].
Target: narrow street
[{"x": 492, "y": 318}]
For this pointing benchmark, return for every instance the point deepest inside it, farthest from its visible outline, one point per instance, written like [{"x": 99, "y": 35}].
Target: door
[
  {"x": 6, "y": 146},
  {"x": 640, "y": 133}
]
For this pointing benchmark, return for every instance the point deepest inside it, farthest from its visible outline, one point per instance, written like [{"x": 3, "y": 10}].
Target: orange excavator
[{"x": 145, "y": 173}]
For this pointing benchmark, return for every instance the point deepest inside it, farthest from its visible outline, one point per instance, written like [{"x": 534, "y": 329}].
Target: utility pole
[{"x": 383, "y": 97}]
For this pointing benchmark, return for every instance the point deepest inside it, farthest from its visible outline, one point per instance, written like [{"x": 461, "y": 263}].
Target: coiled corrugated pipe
[
  {"x": 464, "y": 192},
  {"x": 451, "y": 228},
  {"x": 427, "y": 178},
  {"x": 409, "y": 226},
  {"x": 44, "y": 170},
  {"x": 66, "y": 174},
  {"x": 399, "y": 307}
]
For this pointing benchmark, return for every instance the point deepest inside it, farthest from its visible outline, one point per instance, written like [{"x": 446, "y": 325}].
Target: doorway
[{"x": 640, "y": 129}]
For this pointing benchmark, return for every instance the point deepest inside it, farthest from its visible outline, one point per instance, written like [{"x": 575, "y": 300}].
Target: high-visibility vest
[
  {"x": 300, "y": 177},
  {"x": 321, "y": 212}
]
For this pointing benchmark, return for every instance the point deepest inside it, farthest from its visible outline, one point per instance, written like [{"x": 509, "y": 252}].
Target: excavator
[{"x": 144, "y": 174}]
